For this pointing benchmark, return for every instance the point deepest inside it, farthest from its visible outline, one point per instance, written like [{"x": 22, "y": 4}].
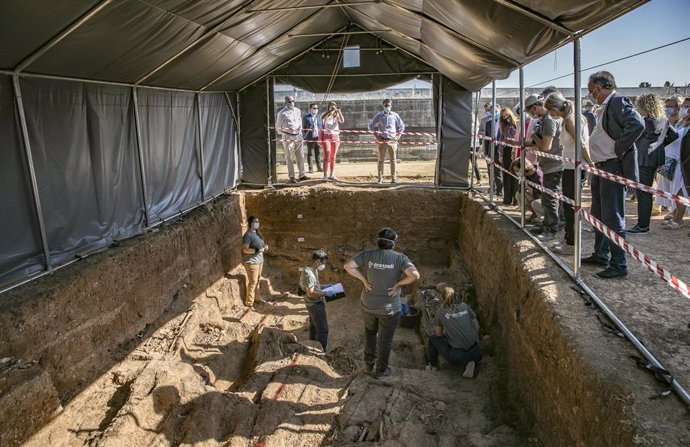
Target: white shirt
[
  {"x": 601, "y": 146},
  {"x": 289, "y": 120},
  {"x": 568, "y": 143}
]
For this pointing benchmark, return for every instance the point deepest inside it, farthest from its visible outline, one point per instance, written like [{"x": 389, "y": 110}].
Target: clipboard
[{"x": 337, "y": 288}]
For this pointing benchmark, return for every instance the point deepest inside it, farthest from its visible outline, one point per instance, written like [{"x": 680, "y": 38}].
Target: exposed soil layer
[{"x": 149, "y": 344}]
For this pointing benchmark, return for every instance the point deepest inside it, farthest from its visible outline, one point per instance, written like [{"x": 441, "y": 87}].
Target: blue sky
[{"x": 651, "y": 25}]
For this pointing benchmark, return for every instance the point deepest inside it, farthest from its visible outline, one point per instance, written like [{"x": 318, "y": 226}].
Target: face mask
[
  {"x": 387, "y": 108},
  {"x": 506, "y": 119},
  {"x": 291, "y": 105},
  {"x": 255, "y": 225},
  {"x": 321, "y": 267},
  {"x": 670, "y": 111},
  {"x": 314, "y": 111},
  {"x": 683, "y": 112}
]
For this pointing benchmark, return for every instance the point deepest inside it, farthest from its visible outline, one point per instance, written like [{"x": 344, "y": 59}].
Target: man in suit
[
  {"x": 311, "y": 123},
  {"x": 612, "y": 146}
]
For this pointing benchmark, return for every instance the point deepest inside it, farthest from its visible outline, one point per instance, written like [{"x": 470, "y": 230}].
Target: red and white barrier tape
[
  {"x": 552, "y": 193},
  {"x": 413, "y": 143},
  {"x": 616, "y": 178},
  {"x": 373, "y": 132},
  {"x": 659, "y": 270},
  {"x": 496, "y": 164}
]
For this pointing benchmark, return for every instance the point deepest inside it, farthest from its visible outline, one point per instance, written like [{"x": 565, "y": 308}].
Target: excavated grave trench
[{"x": 148, "y": 344}]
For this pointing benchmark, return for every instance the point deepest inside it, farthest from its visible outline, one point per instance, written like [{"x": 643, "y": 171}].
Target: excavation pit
[{"x": 149, "y": 344}]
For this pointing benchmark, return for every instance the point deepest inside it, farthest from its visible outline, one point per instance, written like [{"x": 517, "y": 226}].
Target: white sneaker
[
  {"x": 334, "y": 178},
  {"x": 469, "y": 370},
  {"x": 669, "y": 216},
  {"x": 325, "y": 178},
  {"x": 430, "y": 368}
]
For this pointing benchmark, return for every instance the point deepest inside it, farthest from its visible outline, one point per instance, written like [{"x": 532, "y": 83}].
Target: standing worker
[
  {"x": 314, "y": 298},
  {"x": 253, "y": 248},
  {"x": 388, "y": 127},
  {"x": 311, "y": 124},
  {"x": 380, "y": 274},
  {"x": 289, "y": 128}
]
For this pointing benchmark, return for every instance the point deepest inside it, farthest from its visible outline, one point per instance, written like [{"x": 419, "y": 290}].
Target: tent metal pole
[
  {"x": 268, "y": 129},
  {"x": 60, "y": 36},
  {"x": 577, "y": 255},
  {"x": 200, "y": 141},
  {"x": 523, "y": 155},
  {"x": 439, "y": 132},
  {"x": 473, "y": 166},
  {"x": 206, "y": 35},
  {"x": 534, "y": 16},
  {"x": 492, "y": 142},
  {"x": 341, "y": 33},
  {"x": 362, "y": 75},
  {"x": 92, "y": 81},
  {"x": 140, "y": 153},
  {"x": 300, "y": 7},
  {"x": 454, "y": 33},
  {"x": 236, "y": 119},
  {"x": 32, "y": 172}
]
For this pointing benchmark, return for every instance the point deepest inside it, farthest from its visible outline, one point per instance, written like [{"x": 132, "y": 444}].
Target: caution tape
[
  {"x": 412, "y": 143},
  {"x": 607, "y": 175},
  {"x": 654, "y": 267},
  {"x": 372, "y": 132}
]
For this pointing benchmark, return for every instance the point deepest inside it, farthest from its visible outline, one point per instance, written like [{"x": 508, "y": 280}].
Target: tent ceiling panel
[
  {"x": 470, "y": 41},
  {"x": 121, "y": 43},
  {"x": 209, "y": 60},
  {"x": 26, "y": 25}
]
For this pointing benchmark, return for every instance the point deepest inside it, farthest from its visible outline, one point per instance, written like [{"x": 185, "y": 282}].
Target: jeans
[
  {"x": 378, "y": 338},
  {"x": 318, "y": 323},
  {"x": 330, "y": 145},
  {"x": 510, "y": 183},
  {"x": 608, "y": 205},
  {"x": 645, "y": 201},
  {"x": 552, "y": 181},
  {"x": 569, "y": 185},
  {"x": 313, "y": 147},
  {"x": 439, "y": 345}
]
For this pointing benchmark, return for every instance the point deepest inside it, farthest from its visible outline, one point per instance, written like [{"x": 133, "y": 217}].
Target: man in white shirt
[
  {"x": 612, "y": 148},
  {"x": 289, "y": 130}
]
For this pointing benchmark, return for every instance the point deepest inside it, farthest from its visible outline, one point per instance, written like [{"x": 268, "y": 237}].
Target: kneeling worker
[
  {"x": 314, "y": 298},
  {"x": 460, "y": 343}
]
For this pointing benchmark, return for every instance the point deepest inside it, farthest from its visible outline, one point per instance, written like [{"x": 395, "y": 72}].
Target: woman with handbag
[
  {"x": 651, "y": 154},
  {"x": 673, "y": 171}
]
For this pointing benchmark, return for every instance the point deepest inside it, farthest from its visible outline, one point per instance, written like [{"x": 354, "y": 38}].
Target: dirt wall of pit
[
  {"x": 346, "y": 222},
  {"x": 558, "y": 364},
  {"x": 70, "y": 327}
]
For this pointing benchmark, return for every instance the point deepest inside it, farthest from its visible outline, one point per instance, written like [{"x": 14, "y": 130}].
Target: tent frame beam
[
  {"x": 457, "y": 35},
  {"x": 200, "y": 142},
  {"x": 140, "y": 154},
  {"x": 61, "y": 35},
  {"x": 261, "y": 48},
  {"x": 206, "y": 35},
  {"x": 293, "y": 8},
  {"x": 536, "y": 16}
]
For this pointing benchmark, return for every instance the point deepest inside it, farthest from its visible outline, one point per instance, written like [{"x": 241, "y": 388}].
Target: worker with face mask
[{"x": 314, "y": 298}]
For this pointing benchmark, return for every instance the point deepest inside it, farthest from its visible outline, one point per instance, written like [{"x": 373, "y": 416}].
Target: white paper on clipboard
[{"x": 335, "y": 289}]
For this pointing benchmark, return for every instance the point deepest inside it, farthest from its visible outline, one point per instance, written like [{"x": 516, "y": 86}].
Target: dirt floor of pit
[{"x": 221, "y": 375}]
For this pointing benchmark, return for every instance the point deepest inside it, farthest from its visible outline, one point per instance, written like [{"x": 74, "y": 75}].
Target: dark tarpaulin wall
[
  {"x": 21, "y": 253},
  {"x": 252, "y": 115},
  {"x": 83, "y": 143},
  {"x": 454, "y": 129},
  {"x": 171, "y": 155},
  {"x": 219, "y": 142}
]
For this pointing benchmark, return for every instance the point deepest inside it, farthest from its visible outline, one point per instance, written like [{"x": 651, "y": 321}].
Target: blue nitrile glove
[{"x": 404, "y": 308}]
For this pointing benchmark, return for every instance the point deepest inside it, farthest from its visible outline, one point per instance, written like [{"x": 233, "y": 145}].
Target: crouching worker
[
  {"x": 314, "y": 298},
  {"x": 456, "y": 334}
]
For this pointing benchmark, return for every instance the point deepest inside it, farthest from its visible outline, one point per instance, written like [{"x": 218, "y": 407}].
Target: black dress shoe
[
  {"x": 612, "y": 273},
  {"x": 594, "y": 260},
  {"x": 537, "y": 230}
]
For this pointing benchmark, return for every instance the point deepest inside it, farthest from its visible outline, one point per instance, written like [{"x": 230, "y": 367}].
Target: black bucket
[{"x": 411, "y": 320}]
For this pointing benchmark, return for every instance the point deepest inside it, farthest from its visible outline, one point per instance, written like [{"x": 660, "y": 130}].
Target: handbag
[{"x": 668, "y": 168}]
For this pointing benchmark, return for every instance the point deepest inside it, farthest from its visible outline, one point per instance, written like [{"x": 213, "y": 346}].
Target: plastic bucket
[{"x": 411, "y": 320}]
